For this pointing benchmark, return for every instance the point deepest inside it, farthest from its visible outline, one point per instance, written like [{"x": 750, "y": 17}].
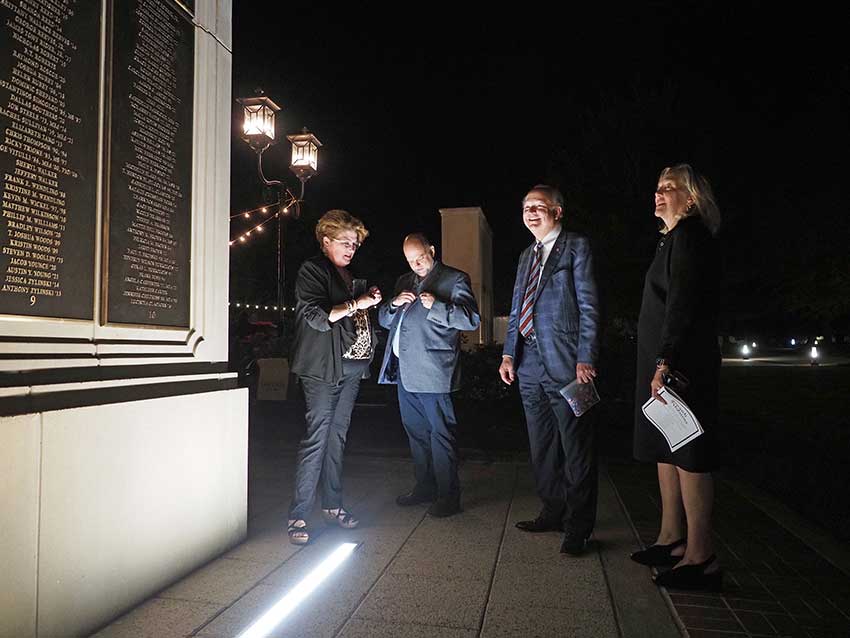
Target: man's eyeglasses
[
  {"x": 535, "y": 208},
  {"x": 351, "y": 245}
]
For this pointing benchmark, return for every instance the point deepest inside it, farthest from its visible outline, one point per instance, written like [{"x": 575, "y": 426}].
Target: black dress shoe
[
  {"x": 541, "y": 524},
  {"x": 658, "y": 555},
  {"x": 413, "y": 498},
  {"x": 574, "y": 543},
  {"x": 445, "y": 506},
  {"x": 692, "y": 577}
]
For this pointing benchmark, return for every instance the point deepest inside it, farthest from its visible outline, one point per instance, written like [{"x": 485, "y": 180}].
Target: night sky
[{"x": 439, "y": 107}]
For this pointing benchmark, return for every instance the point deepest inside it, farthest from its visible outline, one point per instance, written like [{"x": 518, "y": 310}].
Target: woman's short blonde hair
[
  {"x": 338, "y": 221},
  {"x": 699, "y": 190}
]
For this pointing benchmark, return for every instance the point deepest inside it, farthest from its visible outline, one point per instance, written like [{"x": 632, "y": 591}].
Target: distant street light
[
  {"x": 258, "y": 131},
  {"x": 793, "y": 342},
  {"x": 813, "y": 355},
  {"x": 745, "y": 352}
]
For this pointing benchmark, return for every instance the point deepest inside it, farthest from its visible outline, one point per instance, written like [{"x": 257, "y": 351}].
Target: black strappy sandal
[
  {"x": 339, "y": 516},
  {"x": 297, "y": 530}
]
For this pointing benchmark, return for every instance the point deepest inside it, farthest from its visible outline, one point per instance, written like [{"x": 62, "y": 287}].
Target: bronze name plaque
[
  {"x": 49, "y": 87},
  {"x": 148, "y": 239}
]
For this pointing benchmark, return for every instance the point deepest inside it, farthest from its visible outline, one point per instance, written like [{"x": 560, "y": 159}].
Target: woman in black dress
[
  {"x": 331, "y": 351},
  {"x": 677, "y": 333}
]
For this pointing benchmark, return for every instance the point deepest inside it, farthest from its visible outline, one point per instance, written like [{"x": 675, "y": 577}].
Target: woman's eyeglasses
[{"x": 351, "y": 245}]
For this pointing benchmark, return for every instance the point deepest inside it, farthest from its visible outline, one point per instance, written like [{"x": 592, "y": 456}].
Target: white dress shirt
[
  {"x": 548, "y": 243},
  {"x": 398, "y": 328}
]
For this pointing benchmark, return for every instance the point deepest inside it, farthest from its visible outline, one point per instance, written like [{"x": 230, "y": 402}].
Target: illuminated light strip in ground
[{"x": 282, "y": 608}]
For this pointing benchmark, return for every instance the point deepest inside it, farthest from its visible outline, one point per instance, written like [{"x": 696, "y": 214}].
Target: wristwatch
[{"x": 661, "y": 362}]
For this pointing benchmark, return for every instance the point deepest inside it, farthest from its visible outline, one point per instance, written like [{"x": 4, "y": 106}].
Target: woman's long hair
[{"x": 699, "y": 190}]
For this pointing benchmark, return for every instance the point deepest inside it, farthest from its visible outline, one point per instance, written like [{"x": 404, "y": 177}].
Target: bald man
[{"x": 430, "y": 306}]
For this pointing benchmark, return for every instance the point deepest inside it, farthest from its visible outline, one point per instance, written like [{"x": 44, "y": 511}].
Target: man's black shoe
[
  {"x": 443, "y": 507},
  {"x": 541, "y": 524},
  {"x": 413, "y": 498},
  {"x": 573, "y": 543}
]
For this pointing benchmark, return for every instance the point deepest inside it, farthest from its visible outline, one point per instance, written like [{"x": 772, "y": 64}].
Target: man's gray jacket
[{"x": 429, "y": 342}]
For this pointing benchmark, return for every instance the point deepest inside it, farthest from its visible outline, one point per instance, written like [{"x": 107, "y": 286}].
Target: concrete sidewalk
[{"x": 473, "y": 574}]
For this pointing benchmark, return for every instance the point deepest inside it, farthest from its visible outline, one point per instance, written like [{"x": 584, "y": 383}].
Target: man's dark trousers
[
  {"x": 430, "y": 423},
  {"x": 563, "y": 454}
]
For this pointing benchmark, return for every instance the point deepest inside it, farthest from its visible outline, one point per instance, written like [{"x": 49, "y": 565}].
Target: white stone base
[{"x": 103, "y": 506}]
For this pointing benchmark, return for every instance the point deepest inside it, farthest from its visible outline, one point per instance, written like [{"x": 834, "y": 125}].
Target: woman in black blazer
[
  {"x": 677, "y": 334},
  {"x": 333, "y": 345}
]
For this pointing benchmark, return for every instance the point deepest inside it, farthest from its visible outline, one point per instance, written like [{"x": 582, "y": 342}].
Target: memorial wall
[
  {"x": 52, "y": 112},
  {"x": 123, "y": 437}
]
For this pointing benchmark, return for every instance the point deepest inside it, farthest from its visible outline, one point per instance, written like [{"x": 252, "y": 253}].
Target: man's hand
[
  {"x": 405, "y": 296},
  {"x": 585, "y": 372},
  {"x": 656, "y": 384},
  {"x": 427, "y": 299},
  {"x": 506, "y": 370}
]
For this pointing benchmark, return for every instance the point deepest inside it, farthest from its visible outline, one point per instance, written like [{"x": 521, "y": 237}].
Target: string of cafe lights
[
  {"x": 250, "y": 306},
  {"x": 247, "y": 213},
  {"x": 243, "y": 237},
  {"x": 283, "y": 208},
  {"x": 258, "y": 228}
]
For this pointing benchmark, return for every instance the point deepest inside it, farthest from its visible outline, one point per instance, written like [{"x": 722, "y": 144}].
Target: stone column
[{"x": 467, "y": 243}]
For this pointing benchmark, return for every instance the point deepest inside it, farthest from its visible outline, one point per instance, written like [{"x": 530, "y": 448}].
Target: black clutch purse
[{"x": 676, "y": 381}]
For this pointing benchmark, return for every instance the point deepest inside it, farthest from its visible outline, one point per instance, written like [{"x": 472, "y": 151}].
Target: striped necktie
[{"x": 526, "y": 326}]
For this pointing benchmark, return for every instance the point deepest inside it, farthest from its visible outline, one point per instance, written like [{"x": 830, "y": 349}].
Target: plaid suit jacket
[{"x": 566, "y": 310}]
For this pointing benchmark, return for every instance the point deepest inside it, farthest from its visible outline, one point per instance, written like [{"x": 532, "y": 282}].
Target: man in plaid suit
[{"x": 552, "y": 339}]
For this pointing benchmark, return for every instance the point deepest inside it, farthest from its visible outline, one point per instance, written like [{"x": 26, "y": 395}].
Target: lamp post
[{"x": 258, "y": 131}]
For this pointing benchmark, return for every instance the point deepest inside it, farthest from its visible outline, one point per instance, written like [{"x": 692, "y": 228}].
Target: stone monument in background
[{"x": 467, "y": 243}]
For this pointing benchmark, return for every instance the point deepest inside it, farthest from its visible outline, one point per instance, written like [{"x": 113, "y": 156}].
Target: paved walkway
[
  {"x": 469, "y": 575},
  {"x": 784, "y": 577},
  {"x": 476, "y": 575}
]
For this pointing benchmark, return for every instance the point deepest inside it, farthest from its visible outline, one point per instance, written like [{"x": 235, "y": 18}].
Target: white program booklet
[{"x": 674, "y": 420}]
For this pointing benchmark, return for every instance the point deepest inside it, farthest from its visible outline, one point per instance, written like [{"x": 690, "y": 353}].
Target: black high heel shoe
[
  {"x": 692, "y": 577},
  {"x": 658, "y": 555}
]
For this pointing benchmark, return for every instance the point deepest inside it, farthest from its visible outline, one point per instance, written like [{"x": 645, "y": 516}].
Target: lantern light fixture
[
  {"x": 305, "y": 155},
  {"x": 258, "y": 131},
  {"x": 258, "y": 121}
]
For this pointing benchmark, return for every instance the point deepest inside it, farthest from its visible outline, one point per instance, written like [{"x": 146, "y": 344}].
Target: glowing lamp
[
  {"x": 258, "y": 121},
  {"x": 305, "y": 154}
]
